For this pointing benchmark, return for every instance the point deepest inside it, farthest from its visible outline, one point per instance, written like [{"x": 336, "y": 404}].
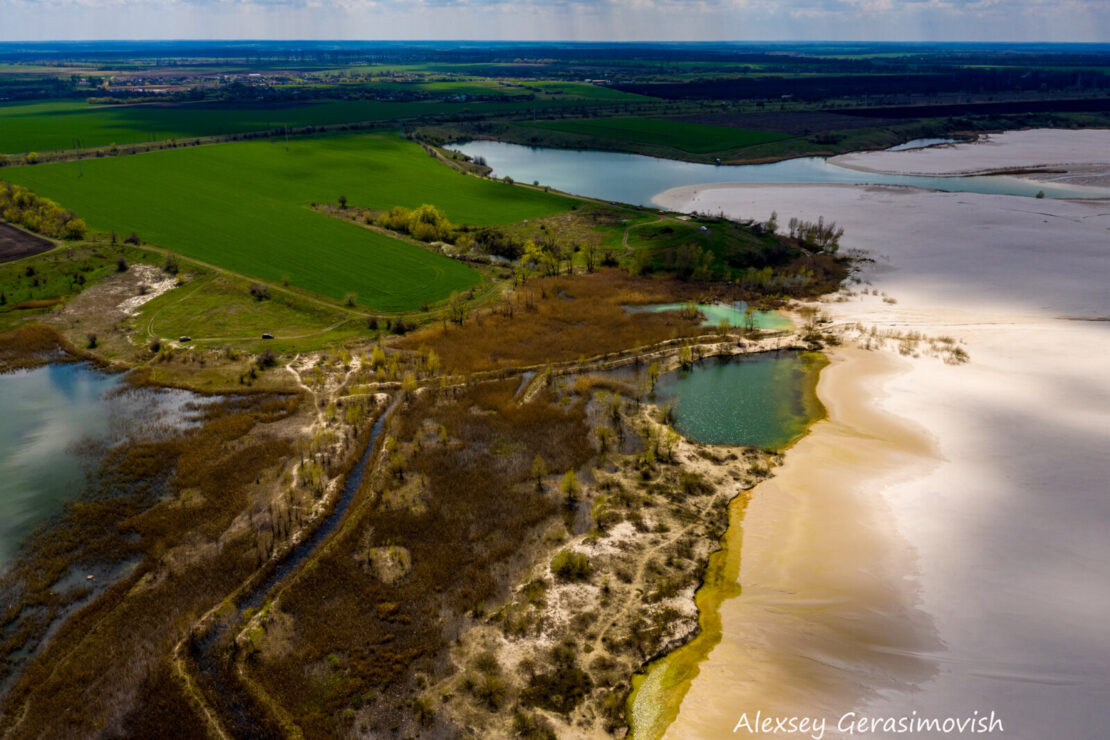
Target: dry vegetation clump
[
  {"x": 453, "y": 492},
  {"x": 563, "y": 319},
  {"x": 34, "y": 345},
  {"x": 159, "y": 517},
  {"x": 910, "y": 343}
]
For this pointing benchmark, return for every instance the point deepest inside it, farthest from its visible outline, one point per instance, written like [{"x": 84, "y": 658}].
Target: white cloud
[{"x": 587, "y": 20}]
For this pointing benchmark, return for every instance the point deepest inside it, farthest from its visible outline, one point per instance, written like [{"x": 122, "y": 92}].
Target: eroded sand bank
[{"x": 976, "y": 582}]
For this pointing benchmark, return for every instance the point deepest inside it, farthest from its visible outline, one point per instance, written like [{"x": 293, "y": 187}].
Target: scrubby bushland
[
  {"x": 578, "y": 317},
  {"x": 571, "y": 566}
]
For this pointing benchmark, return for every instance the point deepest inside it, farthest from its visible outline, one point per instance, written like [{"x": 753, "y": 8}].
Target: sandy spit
[{"x": 1085, "y": 152}]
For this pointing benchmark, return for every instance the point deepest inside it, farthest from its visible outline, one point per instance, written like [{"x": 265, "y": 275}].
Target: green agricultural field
[
  {"x": 245, "y": 207},
  {"x": 48, "y": 126},
  {"x": 53, "y": 125},
  {"x": 688, "y": 137},
  {"x": 587, "y": 91}
]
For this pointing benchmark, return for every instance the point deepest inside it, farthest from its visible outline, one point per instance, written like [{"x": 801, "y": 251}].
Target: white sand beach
[
  {"x": 1084, "y": 154},
  {"x": 939, "y": 544}
]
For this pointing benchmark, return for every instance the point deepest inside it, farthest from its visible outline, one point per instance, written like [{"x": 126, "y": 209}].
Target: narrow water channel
[{"x": 211, "y": 652}]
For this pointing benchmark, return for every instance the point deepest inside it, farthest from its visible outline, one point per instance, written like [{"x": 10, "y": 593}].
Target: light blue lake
[
  {"x": 636, "y": 179},
  {"x": 733, "y": 313}
]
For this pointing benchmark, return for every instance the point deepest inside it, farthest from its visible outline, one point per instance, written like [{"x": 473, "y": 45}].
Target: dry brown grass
[
  {"x": 34, "y": 345},
  {"x": 360, "y": 640},
  {"x": 562, "y": 319}
]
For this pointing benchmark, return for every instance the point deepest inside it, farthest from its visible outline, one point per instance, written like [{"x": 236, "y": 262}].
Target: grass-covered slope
[{"x": 245, "y": 207}]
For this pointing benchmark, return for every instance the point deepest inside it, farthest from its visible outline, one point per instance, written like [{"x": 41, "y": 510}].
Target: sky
[{"x": 555, "y": 20}]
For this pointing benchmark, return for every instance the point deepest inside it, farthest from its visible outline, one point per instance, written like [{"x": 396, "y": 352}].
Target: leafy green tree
[
  {"x": 408, "y": 383},
  {"x": 571, "y": 566},
  {"x": 456, "y": 309},
  {"x": 539, "y": 470},
  {"x": 686, "y": 259},
  {"x": 569, "y": 487}
]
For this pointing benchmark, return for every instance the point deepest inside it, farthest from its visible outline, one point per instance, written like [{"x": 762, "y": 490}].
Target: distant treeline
[
  {"x": 839, "y": 86},
  {"x": 1077, "y": 105}
]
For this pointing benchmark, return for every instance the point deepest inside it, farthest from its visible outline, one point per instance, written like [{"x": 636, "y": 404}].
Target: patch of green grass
[
  {"x": 689, "y": 137},
  {"x": 586, "y": 90},
  {"x": 217, "y": 307},
  {"x": 730, "y": 243},
  {"x": 245, "y": 207}
]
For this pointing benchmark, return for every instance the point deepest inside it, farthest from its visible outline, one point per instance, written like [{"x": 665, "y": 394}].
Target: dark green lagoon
[{"x": 766, "y": 400}]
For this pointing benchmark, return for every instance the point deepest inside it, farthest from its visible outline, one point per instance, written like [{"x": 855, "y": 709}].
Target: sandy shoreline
[
  {"x": 997, "y": 549},
  {"x": 802, "y": 622}
]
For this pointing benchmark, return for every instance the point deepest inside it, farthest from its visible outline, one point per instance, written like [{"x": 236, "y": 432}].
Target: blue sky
[{"x": 603, "y": 20}]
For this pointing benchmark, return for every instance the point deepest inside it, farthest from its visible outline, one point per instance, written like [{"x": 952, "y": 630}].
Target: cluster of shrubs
[
  {"x": 817, "y": 235},
  {"x": 429, "y": 224},
  {"x": 18, "y": 205},
  {"x": 397, "y": 325},
  {"x": 426, "y": 223}
]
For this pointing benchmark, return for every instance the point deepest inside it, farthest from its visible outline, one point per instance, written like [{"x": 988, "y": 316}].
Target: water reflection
[
  {"x": 637, "y": 179},
  {"x": 57, "y": 420}
]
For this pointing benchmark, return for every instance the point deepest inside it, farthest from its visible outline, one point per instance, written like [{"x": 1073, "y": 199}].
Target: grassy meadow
[
  {"x": 689, "y": 137},
  {"x": 245, "y": 207},
  {"x": 218, "y": 307}
]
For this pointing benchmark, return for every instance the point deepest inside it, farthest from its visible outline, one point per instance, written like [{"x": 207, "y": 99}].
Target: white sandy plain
[{"x": 940, "y": 544}]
